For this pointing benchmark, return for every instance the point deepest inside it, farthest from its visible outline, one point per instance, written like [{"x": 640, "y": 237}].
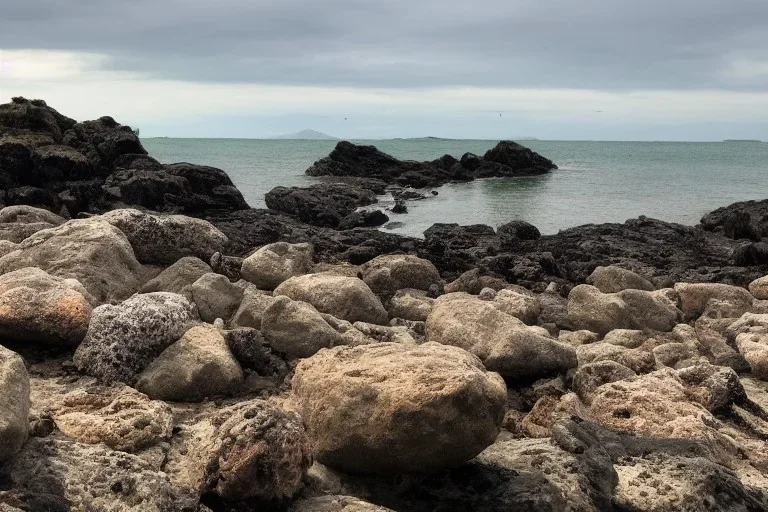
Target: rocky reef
[{"x": 172, "y": 350}]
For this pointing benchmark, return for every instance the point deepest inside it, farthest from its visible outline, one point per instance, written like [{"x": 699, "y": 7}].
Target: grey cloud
[{"x": 607, "y": 44}]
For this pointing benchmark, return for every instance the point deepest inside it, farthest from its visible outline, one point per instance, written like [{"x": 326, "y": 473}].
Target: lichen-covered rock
[
  {"x": 21, "y": 221},
  {"x": 199, "y": 365},
  {"x": 253, "y": 451},
  {"x": 37, "y": 307},
  {"x": 122, "y": 340},
  {"x": 119, "y": 417},
  {"x": 347, "y": 298},
  {"x": 504, "y": 343},
  {"x": 92, "y": 251},
  {"x": 386, "y": 274},
  {"x": 615, "y": 279},
  {"x": 165, "y": 239},
  {"x": 589, "y": 308},
  {"x": 275, "y": 263},
  {"x": 695, "y": 297},
  {"x": 56, "y": 474},
  {"x": 14, "y": 403},
  {"x": 297, "y": 329},
  {"x": 216, "y": 297},
  {"x": 398, "y": 408},
  {"x": 178, "y": 277}
]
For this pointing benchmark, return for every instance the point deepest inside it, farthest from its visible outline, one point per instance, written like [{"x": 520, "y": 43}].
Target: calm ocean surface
[{"x": 597, "y": 181}]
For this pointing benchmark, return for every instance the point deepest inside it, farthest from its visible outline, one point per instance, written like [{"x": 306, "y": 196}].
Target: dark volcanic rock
[
  {"x": 744, "y": 220},
  {"x": 508, "y": 159},
  {"x": 519, "y": 158},
  {"x": 323, "y": 204},
  {"x": 364, "y": 219},
  {"x": 24, "y": 116},
  {"x": 520, "y": 230},
  {"x": 51, "y": 161}
]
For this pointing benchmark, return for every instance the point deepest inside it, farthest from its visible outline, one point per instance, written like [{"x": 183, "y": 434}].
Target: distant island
[
  {"x": 306, "y": 135},
  {"x": 742, "y": 140}
]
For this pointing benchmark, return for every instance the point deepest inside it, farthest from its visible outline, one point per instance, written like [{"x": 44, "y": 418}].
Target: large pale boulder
[
  {"x": 347, "y": 298},
  {"x": 504, "y": 343},
  {"x": 216, "y": 297},
  {"x": 274, "y": 263},
  {"x": 20, "y": 221},
  {"x": 638, "y": 360},
  {"x": 178, "y": 277},
  {"x": 122, "y": 340},
  {"x": 252, "y": 451},
  {"x": 593, "y": 310},
  {"x": 92, "y": 251},
  {"x": 388, "y": 273},
  {"x": 520, "y": 304},
  {"x": 615, "y": 279},
  {"x": 37, "y": 307},
  {"x": 251, "y": 309},
  {"x": 165, "y": 239},
  {"x": 335, "y": 504},
  {"x": 199, "y": 365},
  {"x": 14, "y": 403},
  {"x": 297, "y": 329},
  {"x": 392, "y": 408},
  {"x": 589, "y": 377},
  {"x": 759, "y": 288},
  {"x": 696, "y": 297}
]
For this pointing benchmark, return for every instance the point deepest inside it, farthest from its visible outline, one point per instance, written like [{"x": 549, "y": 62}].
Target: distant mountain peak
[{"x": 307, "y": 135}]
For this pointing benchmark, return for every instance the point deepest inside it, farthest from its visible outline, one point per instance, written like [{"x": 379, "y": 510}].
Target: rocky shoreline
[{"x": 163, "y": 347}]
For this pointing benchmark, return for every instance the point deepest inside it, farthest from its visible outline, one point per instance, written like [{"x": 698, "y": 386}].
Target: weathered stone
[
  {"x": 695, "y": 297},
  {"x": 14, "y": 403},
  {"x": 37, "y": 307},
  {"x": 55, "y": 474},
  {"x": 253, "y": 451},
  {"x": 216, "y": 297},
  {"x": 588, "y": 377},
  {"x": 122, "y": 340},
  {"x": 615, "y": 279},
  {"x": 178, "y": 277},
  {"x": 166, "y": 239},
  {"x": 502, "y": 342},
  {"x": 754, "y": 348},
  {"x": 360, "y": 405},
  {"x": 387, "y": 274},
  {"x": 252, "y": 307},
  {"x": 638, "y": 360},
  {"x": 410, "y": 305},
  {"x": 589, "y": 308},
  {"x": 252, "y": 351},
  {"x": 275, "y": 263},
  {"x": 297, "y": 329},
  {"x": 348, "y": 298},
  {"x": 198, "y": 366},
  {"x": 119, "y": 417},
  {"x": 91, "y": 251},
  {"x": 335, "y": 504},
  {"x": 524, "y": 306},
  {"x": 758, "y": 288}
]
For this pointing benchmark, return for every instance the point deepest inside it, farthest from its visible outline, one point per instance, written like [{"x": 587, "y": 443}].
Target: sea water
[{"x": 596, "y": 181}]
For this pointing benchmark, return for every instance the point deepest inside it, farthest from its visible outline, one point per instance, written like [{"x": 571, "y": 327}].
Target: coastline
[{"x": 166, "y": 347}]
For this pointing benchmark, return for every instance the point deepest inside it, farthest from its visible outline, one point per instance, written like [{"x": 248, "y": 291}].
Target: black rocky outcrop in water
[
  {"x": 507, "y": 159},
  {"x": 51, "y": 161}
]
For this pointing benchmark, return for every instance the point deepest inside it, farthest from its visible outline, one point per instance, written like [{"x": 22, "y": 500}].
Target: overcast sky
[{"x": 552, "y": 69}]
